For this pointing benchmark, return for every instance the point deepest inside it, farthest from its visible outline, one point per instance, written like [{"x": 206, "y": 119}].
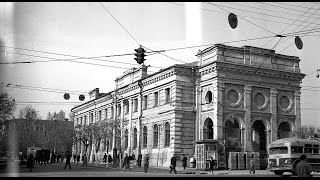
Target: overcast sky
[{"x": 40, "y": 31}]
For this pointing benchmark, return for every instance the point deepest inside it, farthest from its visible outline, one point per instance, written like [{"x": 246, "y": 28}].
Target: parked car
[{"x": 3, "y": 160}]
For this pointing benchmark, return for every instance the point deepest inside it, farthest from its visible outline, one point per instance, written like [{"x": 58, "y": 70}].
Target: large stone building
[{"x": 230, "y": 100}]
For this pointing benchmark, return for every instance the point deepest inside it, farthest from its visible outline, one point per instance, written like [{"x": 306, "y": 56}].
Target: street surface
[{"x": 100, "y": 170}]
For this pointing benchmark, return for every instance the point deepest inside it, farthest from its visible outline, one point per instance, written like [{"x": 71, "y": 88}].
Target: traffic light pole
[{"x": 115, "y": 154}]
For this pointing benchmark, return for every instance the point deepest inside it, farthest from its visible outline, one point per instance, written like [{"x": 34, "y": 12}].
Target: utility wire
[
  {"x": 165, "y": 55},
  {"x": 243, "y": 18},
  {"x": 266, "y": 9},
  {"x": 304, "y": 22},
  {"x": 53, "y": 59},
  {"x": 119, "y": 23},
  {"x": 79, "y": 57},
  {"x": 63, "y": 90},
  {"x": 245, "y": 10},
  {"x": 35, "y": 89},
  {"x": 296, "y": 10},
  {"x": 250, "y": 17},
  {"x": 292, "y": 5},
  {"x": 287, "y": 27}
]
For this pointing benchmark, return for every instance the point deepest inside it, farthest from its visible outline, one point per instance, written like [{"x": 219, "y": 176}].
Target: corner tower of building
[{"x": 247, "y": 98}]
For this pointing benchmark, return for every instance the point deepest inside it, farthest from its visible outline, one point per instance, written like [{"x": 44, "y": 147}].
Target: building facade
[{"x": 230, "y": 100}]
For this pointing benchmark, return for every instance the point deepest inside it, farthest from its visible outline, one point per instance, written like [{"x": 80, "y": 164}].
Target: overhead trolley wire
[
  {"x": 292, "y": 5},
  {"x": 287, "y": 28},
  {"x": 296, "y": 10},
  {"x": 243, "y": 18},
  {"x": 280, "y": 17},
  {"x": 250, "y": 17},
  {"x": 119, "y": 23},
  {"x": 240, "y": 4}
]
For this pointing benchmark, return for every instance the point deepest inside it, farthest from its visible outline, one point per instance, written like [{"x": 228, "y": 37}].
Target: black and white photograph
[{"x": 159, "y": 89}]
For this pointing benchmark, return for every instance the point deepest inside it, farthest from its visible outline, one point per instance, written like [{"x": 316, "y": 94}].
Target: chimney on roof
[{"x": 94, "y": 94}]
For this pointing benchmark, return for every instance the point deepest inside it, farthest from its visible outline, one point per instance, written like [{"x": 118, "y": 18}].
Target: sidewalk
[{"x": 180, "y": 170}]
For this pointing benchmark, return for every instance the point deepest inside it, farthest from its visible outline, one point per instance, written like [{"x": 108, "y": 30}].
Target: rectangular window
[
  {"x": 167, "y": 96},
  {"x": 100, "y": 115},
  {"x": 307, "y": 148},
  {"x": 85, "y": 119},
  {"x": 145, "y": 102},
  {"x": 278, "y": 150},
  {"x": 315, "y": 149},
  {"x": 296, "y": 149},
  {"x": 126, "y": 109},
  {"x": 156, "y": 99},
  {"x": 77, "y": 122},
  {"x": 135, "y": 105},
  {"x": 106, "y": 113},
  {"x": 81, "y": 121},
  {"x": 145, "y": 138},
  {"x": 112, "y": 112},
  {"x": 91, "y": 117}
]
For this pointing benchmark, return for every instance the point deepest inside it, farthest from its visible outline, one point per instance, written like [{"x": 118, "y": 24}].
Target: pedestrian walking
[
  {"x": 105, "y": 158},
  {"x": 211, "y": 165},
  {"x": 109, "y": 159},
  {"x": 146, "y": 162},
  {"x": 78, "y": 158},
  {"x": 252, "y": 164},
  {"x": 139, "y": 160},
  {"x": 68, "y": 158},
  {"x": 74, "y": 158},
  {"x": 184, "y": 161},
  {"x": 173, "y": 164},
  {"x": 30, "y": 162},
  {"x": 303, "y": 168},
  {"x": 85, "y": 160},
  {"x": 126, "y": 163}
]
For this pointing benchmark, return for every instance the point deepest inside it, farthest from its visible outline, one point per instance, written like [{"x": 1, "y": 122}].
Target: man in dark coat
[
  {"x": 109, "y": 159},
  {"x": 68, "y": 158},
  {"x": 184, "y": 161},
  {"x": 78, "y": 158},
  {"x": 74, "y": 157},
  {"x": 139, "y": 160},
  {"x": 173, "y": 164},
  {"x": 126, "y": 163},
  {"x": 303, "y": 169},
  {"x": 105, "y": 158},
  {"x": 30, "y": 161},
  {"x": 146, "y": 162}
]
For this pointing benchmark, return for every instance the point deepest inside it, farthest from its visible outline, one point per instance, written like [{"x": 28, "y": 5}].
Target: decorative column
[
  {"x": 268, "y": 135},
  {"x": 273, "y": 109},
  {"x": 247, "y": 117},
  {"x": 219, "y": 110},
  {"x": 139, "y": 139},
  {"x": 130, "y": 123},
  {"x": 297, "y": 111}
]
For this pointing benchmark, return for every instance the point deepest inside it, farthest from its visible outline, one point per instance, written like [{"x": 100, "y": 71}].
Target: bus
[{"x": 284, "y": 154}]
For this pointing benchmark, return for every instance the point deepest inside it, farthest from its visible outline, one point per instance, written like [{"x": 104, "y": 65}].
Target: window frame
[
  {"x": 156, "y": 99},
  {"x": 155, "y": 136}
]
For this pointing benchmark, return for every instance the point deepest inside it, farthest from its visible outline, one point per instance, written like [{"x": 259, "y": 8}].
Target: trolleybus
[{"x": 284, "y": 154}]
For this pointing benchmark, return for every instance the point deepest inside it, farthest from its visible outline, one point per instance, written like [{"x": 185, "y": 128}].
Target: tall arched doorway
[
  {"x": 284, "y": 130},
  {"x": 232, "y": 135},
  {"x": 208, "y": 129},
  {"x": 259, "y": 142}
]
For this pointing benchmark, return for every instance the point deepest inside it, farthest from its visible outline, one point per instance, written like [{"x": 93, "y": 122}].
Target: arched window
[
  {"x": 145, "y": 136},
  {"x": 167, "y": 134},
  {"x": 208, "y": 129},
  {"x": 155, "y": 136},
  {"x": 126, "y": 139},
  {"x": 135, "y": 139},
  {"x": 284, "y": 130}
]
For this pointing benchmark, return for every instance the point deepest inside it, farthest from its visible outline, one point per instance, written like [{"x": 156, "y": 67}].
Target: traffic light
[{"x": 140, "y": 55}]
